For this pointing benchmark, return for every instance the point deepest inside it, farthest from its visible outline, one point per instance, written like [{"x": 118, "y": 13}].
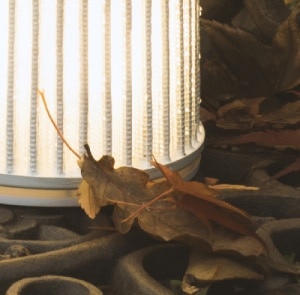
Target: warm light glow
[{"x": 122, "y": 75}]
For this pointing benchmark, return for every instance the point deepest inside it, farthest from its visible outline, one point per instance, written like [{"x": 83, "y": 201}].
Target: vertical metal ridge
[
  {"x": 34, "y": 87},
  {"x": 180, "y": 80},
  {"x": 147, "y": 140},
  {"x": 83, "y": 103},
  {"x": 165, "y": 80},
  {"x": 197, "y": 65},
  {"x": 59, "y": 83},
  {"x": 10, "y": 89},
  {"x": 187, "y": 75},
  {"x": 194, "y": 68},
  {"x": 161, "y": 80},
  {"x": 107, "y": 105},
  {"x": 128, "y": 85}
]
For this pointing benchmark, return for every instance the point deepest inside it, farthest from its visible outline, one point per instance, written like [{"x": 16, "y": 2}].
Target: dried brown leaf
[
  {"x": 250, "y": 67},
  {"x": 270, "y": 138},
  {"x": 199, "y": 191},
  {"x": 87, "y": 200},
  {"x": 173, "y": 209},
  {"x": 287, "y": 44},
  {"x": 205, "y": 269},
  {"x": 247, "y": 59},
  {"x": 180, "y": 225},
  {"x": 245, "y": 114}
]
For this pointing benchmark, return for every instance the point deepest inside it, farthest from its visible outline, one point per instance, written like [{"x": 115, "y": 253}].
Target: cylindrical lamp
[{"x": 120, "y": 75}]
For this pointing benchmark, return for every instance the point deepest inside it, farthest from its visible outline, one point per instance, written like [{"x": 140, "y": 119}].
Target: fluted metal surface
[{"x": 121, "y": 75}]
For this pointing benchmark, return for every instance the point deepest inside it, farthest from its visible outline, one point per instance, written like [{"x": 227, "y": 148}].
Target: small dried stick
[
  {"x": 42, "y": 95},
  {"x": 146, "y": 205}
]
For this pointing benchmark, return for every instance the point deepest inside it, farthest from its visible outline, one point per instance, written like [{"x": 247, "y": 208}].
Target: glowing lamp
[{"x": 120, "y": 75}]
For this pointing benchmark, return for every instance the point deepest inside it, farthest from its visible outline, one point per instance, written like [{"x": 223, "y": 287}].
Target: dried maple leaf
[
  {"x": 135, "y": 197},
  {"x": 206, "y": 211},
  {"x": 158, "y": 208},
  {"x": 199, "y": 199},
  {"x": 124, "y": 187}
]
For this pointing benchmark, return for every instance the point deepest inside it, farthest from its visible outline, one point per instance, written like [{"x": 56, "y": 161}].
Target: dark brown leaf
[
  {"x": 270, "y": 138},
  {"x": 205, "y": 269},
  {"x": 258, "y": 113},
  {"x": 287, "y": 46},
  {"x": 250, "y": 67},
  {"x": 245, "y": 57}
]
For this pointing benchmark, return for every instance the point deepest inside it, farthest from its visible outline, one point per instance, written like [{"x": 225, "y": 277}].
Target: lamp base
[{"x": 61, "y": 192}]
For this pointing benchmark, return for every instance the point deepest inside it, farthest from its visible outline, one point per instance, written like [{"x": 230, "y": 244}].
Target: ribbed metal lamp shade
[{"x": 120, "y": 75}]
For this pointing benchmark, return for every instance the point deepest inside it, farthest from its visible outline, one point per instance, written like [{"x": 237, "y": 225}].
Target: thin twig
[
  {"x": 146, "y": 205},
  {"x": 41, "y": 93},
  {"x": 141, "y": 205},
  {"x": 122, "y": 202}
]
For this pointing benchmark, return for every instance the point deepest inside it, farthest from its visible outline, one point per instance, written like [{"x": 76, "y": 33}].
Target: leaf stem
[
  {"x": 42, "y": 95},
  {"x": 122, "y": 203},
  {"x": 146, "y": 205}
]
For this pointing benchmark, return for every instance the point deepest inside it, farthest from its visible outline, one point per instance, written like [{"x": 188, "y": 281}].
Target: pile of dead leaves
[
  {"x": 262, "y": 106},
  {"x": 222, "y": 238}
]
